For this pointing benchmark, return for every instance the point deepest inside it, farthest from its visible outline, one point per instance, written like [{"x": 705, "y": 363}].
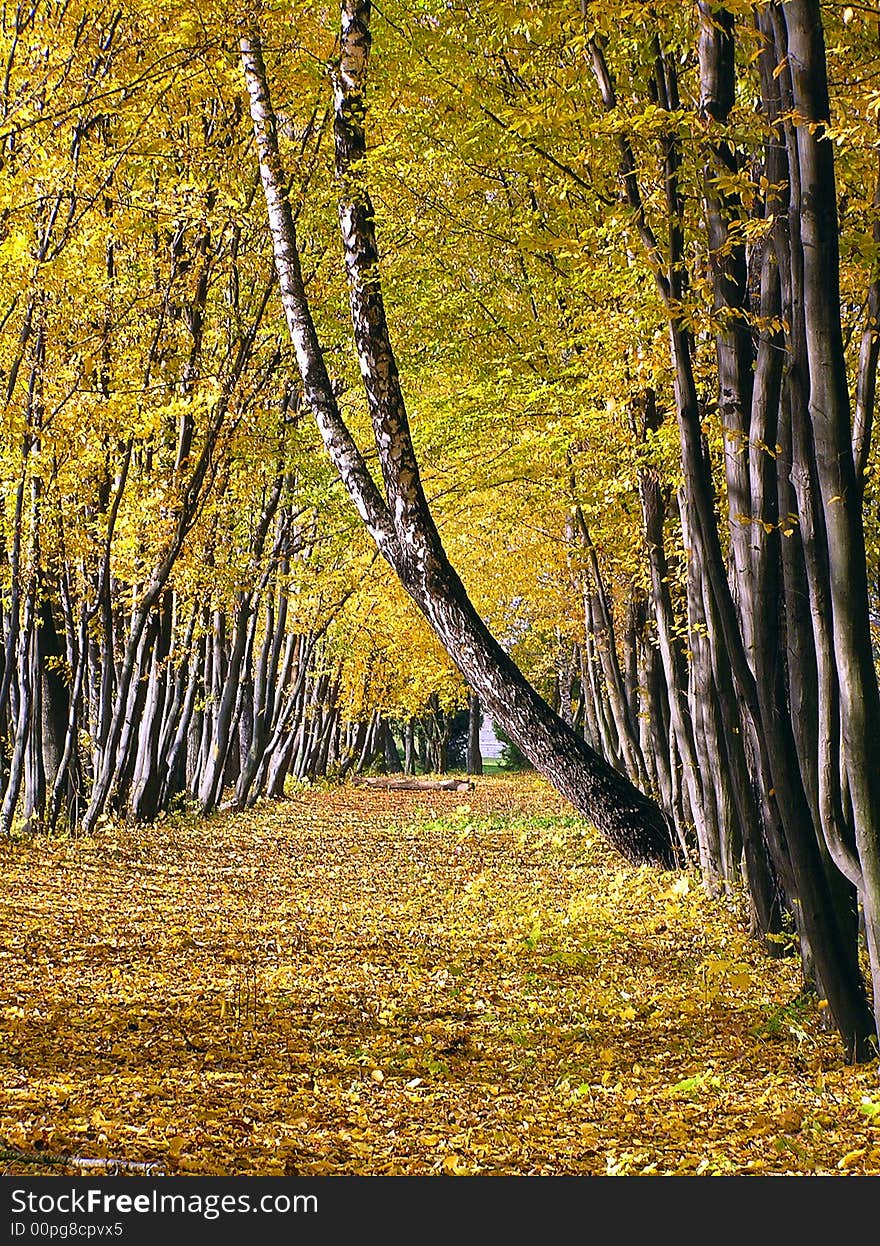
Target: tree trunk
[
  {"x": 475, "y": 717},
  {"x": 830, "y": 422},
  {"x": 401, "y": 524}
]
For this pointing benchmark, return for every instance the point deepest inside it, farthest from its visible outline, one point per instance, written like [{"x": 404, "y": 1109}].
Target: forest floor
[{"x": 369, "y": 982}]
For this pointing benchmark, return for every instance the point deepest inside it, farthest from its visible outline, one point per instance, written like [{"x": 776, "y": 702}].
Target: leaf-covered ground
[{"x": 361, "y": 982}]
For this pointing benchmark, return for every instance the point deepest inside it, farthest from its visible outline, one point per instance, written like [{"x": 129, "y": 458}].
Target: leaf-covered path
[{"x": 366, "y": 982}]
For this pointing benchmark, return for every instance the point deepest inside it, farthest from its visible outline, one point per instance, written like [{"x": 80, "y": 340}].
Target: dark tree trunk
[
  {"x": 393, "y": 764},
  {"x": 54, "y": 695},
  {"x": 830, "y": 423},
  {"x": 475, "y": 718},
  {"x": 409, "y": 747}
]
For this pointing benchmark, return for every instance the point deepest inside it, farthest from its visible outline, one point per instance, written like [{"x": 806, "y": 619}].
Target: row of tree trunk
[
  {"x": 760, "y": 734},
  {"x": 218, "y": 705}
]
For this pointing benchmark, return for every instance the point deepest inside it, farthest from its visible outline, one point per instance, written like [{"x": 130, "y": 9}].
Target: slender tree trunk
[
  {"x": 409, "y": 747},
  {"x": 24, "y": 718},
  {"x": 475, "y": 717}
]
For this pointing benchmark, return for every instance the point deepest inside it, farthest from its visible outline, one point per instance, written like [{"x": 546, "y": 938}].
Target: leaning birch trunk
[{"x": 403, "y": 527}]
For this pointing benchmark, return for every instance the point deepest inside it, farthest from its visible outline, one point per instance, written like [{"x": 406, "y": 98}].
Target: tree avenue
[{"x": 576, "y": 303}]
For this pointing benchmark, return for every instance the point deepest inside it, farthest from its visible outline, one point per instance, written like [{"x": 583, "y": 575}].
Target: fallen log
[
  {"x": 111, "y": 1167},
  {"x": 417, "y": 785}
]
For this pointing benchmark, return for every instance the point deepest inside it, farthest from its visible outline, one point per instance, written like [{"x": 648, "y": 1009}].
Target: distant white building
[{"x": 490, "y": 745}]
